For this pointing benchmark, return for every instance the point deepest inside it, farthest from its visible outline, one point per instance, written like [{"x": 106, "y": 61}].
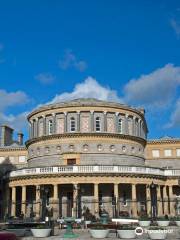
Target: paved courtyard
[{"x": 85, "y": 235}]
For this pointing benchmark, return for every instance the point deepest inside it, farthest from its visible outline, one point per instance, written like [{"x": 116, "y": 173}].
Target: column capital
[
  {"x": 134, "y": 117},
  {"x": 126, "y": 115},
  {"x": 117, "y": 113},
  {"x": 65, "y": 113},
  {"x": 78, "y": 112},
  {"x": 91, "y": 111},
  {"x": 105, "y": 112}
]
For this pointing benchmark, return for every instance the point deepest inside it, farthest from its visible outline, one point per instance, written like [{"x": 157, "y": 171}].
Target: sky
[{"x": 113, "y": 50}]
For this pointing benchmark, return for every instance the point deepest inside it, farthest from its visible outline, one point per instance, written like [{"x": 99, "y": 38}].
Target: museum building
[{"x": 87, "y": 153}]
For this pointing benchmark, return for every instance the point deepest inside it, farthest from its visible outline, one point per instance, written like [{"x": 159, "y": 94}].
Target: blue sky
[{"x": 127, "y": 51}]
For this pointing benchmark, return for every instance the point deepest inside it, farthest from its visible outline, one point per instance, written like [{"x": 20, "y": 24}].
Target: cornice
[
  {"x": 162, "y": 141},
  {"x": 79, "y": 135},
  {"x": 11, "y": 149}
]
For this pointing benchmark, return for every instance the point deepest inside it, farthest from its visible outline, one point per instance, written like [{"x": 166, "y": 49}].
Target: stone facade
[{"x": 90, "y": 153}]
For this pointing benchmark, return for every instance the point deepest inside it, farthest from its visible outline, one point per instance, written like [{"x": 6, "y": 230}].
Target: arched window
[
  {"x": 119, "y": 125},
  {"x": 72, "y": 124},
  {"x": 98, "y": 124},
  {"x": 50, "y": 127}
]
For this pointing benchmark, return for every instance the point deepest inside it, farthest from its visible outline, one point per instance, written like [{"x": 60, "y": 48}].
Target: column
[
  {"x": 75, "y": 194},
  {"x": 165, "y": 200},
  {"x": 148, "y": 200},
  {"x": 117, "y": 122},
  {"x": 125, "y": 130},
  {"x": 134, "y": 201},
  {"x": 116, "y": 195},
  {"x": 96, "y": 199},
  {"x": 78, "y": 121},
  {"x": 172, "y": 202},
  {"x": 105, "y": 121},
  {"x": 65, "y": 122},
  {"x": 13, "y": 204},
  {"x": 54, "y": 122},
  {"x": 55, "y": 202},
  {"x": 37, "y": 126},
  {"x": 38, "y": 201},
  {"x": 23, "y": 203},
  {"x": 31, "y": 129},
  {"x": 134, "y": 125},
  {"x": 159, "y": 201},
  {"x": 44, "y": 125},
  {"x": 139, "y": 128},
  {"x": 92, "y": 121}
]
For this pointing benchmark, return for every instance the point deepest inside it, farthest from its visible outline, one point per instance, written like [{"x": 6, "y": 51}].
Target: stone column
[
  {"x": 105, "y": 121},
  {"x": 55, "y": 202},
  {"x": 172, "y": 202},
  {"x": 148, "y": 200},
  {"x": 65, "y": 122},
  {"x": 139, "y": 127},
  {"x": 38, "y": 201},
  {"x": 75, "y": 195},
  {"x": 134, "y": 201},
  {"x": 159, "y": 201},
  {"x": 44, "y": 125},
  {"x": 54, "y": 122},
  {"x": 165, "y": 201},
  {"x": 23, "y": 203},
  {"x": 92, "y": 121},
  {"x": 134, "y": 126},
  {"x": 117, "y": 122},
  {"x": 96, "y": 199},
  {"x": 116, "y": 195},
  {"x": 13, "y": 204},
  {"x": 126, "y": 124},
  {"x": 78, "y": 121}
]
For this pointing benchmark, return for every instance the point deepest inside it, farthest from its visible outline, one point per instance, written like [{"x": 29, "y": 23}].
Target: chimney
[
  {"x": 20, "y": 138},
  {"x": 6, "y": 135}
]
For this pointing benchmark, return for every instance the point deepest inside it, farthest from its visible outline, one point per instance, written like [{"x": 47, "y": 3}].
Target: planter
[
  {"x": 177, "y": 223},
  {"x": 99, "y": 233},
  {"x": 163, "y": 223},
  {"x": 127, "y": 234},
  {"x": 157, "y": 234},
  {"x": 17, "y": 231},
  {"x": 144, "y": 223},
  {"x": 41, "y": 232}
]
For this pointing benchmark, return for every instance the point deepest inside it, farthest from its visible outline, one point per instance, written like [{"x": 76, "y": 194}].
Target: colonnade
[
  {"x": 164, "y": 193},
  {"x": 130, "y": 125}
]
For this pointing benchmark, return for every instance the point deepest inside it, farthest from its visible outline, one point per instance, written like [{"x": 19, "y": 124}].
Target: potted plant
[
  {"x": 156, "y": 232},
  {"x": 88, "y": 216},
  {"x": 126, "y": 231},
  {"x": 144, "y": 220},
  {"x": 41, "y": 231},
  {"x": 18, "y": 230},
  {"x": 163, "y": 221},
  {"x": 99, "y": 231}
]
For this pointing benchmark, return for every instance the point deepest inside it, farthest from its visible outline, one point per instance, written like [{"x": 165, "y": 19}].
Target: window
[
  {"x": 120, "y": 125},
  {"x": 50, "y": 127},
  {"x": 178, "y": 152},
  {"x": 22, "y": 159},
  {"x": 98, "y": 124},
  {"x": 155, "y": 153},
  {"x": 167, "y": 153},
  {"x": 72, "y": 124},
  {"x": 71, "y": 161}
]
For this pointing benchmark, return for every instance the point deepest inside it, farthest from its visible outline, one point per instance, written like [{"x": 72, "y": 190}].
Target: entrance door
[{"x": 69, "y": 203}]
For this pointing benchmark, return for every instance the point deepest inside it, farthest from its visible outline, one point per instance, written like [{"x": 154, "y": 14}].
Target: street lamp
[{"x": 153, "y": 200}]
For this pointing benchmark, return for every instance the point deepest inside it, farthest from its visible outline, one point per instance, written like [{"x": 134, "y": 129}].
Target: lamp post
[{"x": 153, "y": 200}]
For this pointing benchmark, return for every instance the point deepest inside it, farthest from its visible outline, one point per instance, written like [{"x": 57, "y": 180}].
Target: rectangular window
[
  {"x": 167, "y": 152},
  {"x": 22, "y": 159},
  {"x": 155, "y": 153},
  {"x": 71, "y": 161},
  {"x": 178, "y": 152}
]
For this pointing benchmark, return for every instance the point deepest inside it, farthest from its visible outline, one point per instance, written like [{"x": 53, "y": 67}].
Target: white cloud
[
  {"x": 12, "y": 99},
  {"x": 70, "y": 61},
  {"x": 175, "y": 116},
  {"x": 176, "y": 26},
  {"x": 45, "y": 78},
  {"x": 18, "y": 122},
  {"x": 90, "y": 88},
  {"x": 156, "y": 89}
]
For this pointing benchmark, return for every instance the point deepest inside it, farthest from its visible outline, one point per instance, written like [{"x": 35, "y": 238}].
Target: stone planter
[
  {"x": 17, "y": 231},
  {"x": 163, "y": 223},
  {"x": 99, "y": 233},
  {"x": 177, "y": 223},
  {"x": 144, "y": 223},
  {"x": 127, "y": 234},
  {"x": 157, "y": 234},
  {"x": 41, "y": 232}
]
